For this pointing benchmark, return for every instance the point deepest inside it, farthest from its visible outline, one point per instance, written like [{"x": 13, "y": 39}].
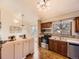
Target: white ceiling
[
  {"x": 28, "y": 7},
  {"x": 59, "y": 7}
]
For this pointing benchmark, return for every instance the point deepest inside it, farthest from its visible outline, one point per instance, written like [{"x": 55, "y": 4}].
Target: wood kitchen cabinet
[
  {"x": 46, "y": 25},
  {"x": 62, "y": 48},
  {"x": 50, "y": 45},
  {"x": 58, "y": 46},
  {"x": 53, "y": 45},
  {"x": 77, "y": 24}
]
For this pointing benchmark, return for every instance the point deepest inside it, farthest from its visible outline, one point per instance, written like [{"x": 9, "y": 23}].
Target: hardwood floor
[
  {"x": 29, "y": 57},
  {"x": 41, "y": 53},
  {"x": 46, "y": 54}
]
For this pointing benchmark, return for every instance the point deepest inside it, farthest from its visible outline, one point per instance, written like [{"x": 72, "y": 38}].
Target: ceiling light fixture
[
  {"x": 0, "y": 19},
  {"x": 22, "y": 20},
  {"x": 16, "y": 21},
  {"x": 43, "y": 3}
]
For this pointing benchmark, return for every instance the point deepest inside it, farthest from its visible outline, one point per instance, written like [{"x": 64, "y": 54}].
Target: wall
[
  {"x": 62, "y": 17},
  {"x": 69, "y": 16},
  {"x": 7, "y": 19}
]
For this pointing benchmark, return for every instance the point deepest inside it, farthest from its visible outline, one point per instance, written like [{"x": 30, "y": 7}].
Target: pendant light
[
  {"x": 42, "y": 3},
  {"x": 22, "y": 20},
  {"x": 0, "y": 19}
]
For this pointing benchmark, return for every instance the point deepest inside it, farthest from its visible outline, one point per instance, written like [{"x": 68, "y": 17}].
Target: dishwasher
[{"x": 73, "y": 51}]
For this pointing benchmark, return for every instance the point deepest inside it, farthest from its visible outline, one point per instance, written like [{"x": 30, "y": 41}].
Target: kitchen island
[{"x": 17, "y": 49}]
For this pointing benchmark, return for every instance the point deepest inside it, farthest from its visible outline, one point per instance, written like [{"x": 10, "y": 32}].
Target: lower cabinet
[
  {"x": 31, "y": 46},
  {"x": 26, "y": 49},
  {"x": 58, "y": 46},
  {"x": 7, "y": 51},
  {"x": 16, "y": 49}
]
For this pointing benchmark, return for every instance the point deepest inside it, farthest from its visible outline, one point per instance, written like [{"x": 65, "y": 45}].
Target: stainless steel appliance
[
  {"x": 45, "y": 41},
  {"x": 73, "y": 51}
]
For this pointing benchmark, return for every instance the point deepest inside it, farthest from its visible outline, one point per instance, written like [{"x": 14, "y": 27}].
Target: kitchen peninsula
[{"x": 17, "y": 49}]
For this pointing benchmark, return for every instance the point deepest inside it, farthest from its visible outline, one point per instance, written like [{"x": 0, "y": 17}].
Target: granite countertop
[
  {"x": 8, "y": 41},
  {"x": 2, "y": 42},
  {"x": 68, "y": 36},
  {"x": 70, "y": 39}
]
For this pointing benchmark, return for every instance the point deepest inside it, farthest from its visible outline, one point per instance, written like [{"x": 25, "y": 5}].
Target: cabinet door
[
  {"x": 46, "y": 25},
  {"x": 26, "y": 48},
  {"x": 62, "y": 48},
  {"x": 50, "y": 45},
  {"x": 55, "y": 46},
  {"x": 31, "y": 46},
  {"x": 7, "y": 51},
  {"x": 77, "y": 24},
  {"x": 58, "y": 46},
  {"x": 18, "y": 50}
]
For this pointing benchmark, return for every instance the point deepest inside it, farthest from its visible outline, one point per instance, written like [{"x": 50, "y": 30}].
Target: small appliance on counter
[
  {"x": 2, "y": 42},
  {"x": 23, "y": 36},
  {"x": 12, "y": 38}
]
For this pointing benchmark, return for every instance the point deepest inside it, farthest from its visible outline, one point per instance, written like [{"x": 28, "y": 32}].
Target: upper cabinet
[
  {"x": 46, "y": 25},
  {"x": 77, "y": 24}
]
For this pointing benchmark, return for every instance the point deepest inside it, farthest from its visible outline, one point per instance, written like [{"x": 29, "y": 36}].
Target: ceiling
[
  {"x": 29, "y": 7},
  {"x": 59, "y": 7},
  {"x": 18, "y": 7}
]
